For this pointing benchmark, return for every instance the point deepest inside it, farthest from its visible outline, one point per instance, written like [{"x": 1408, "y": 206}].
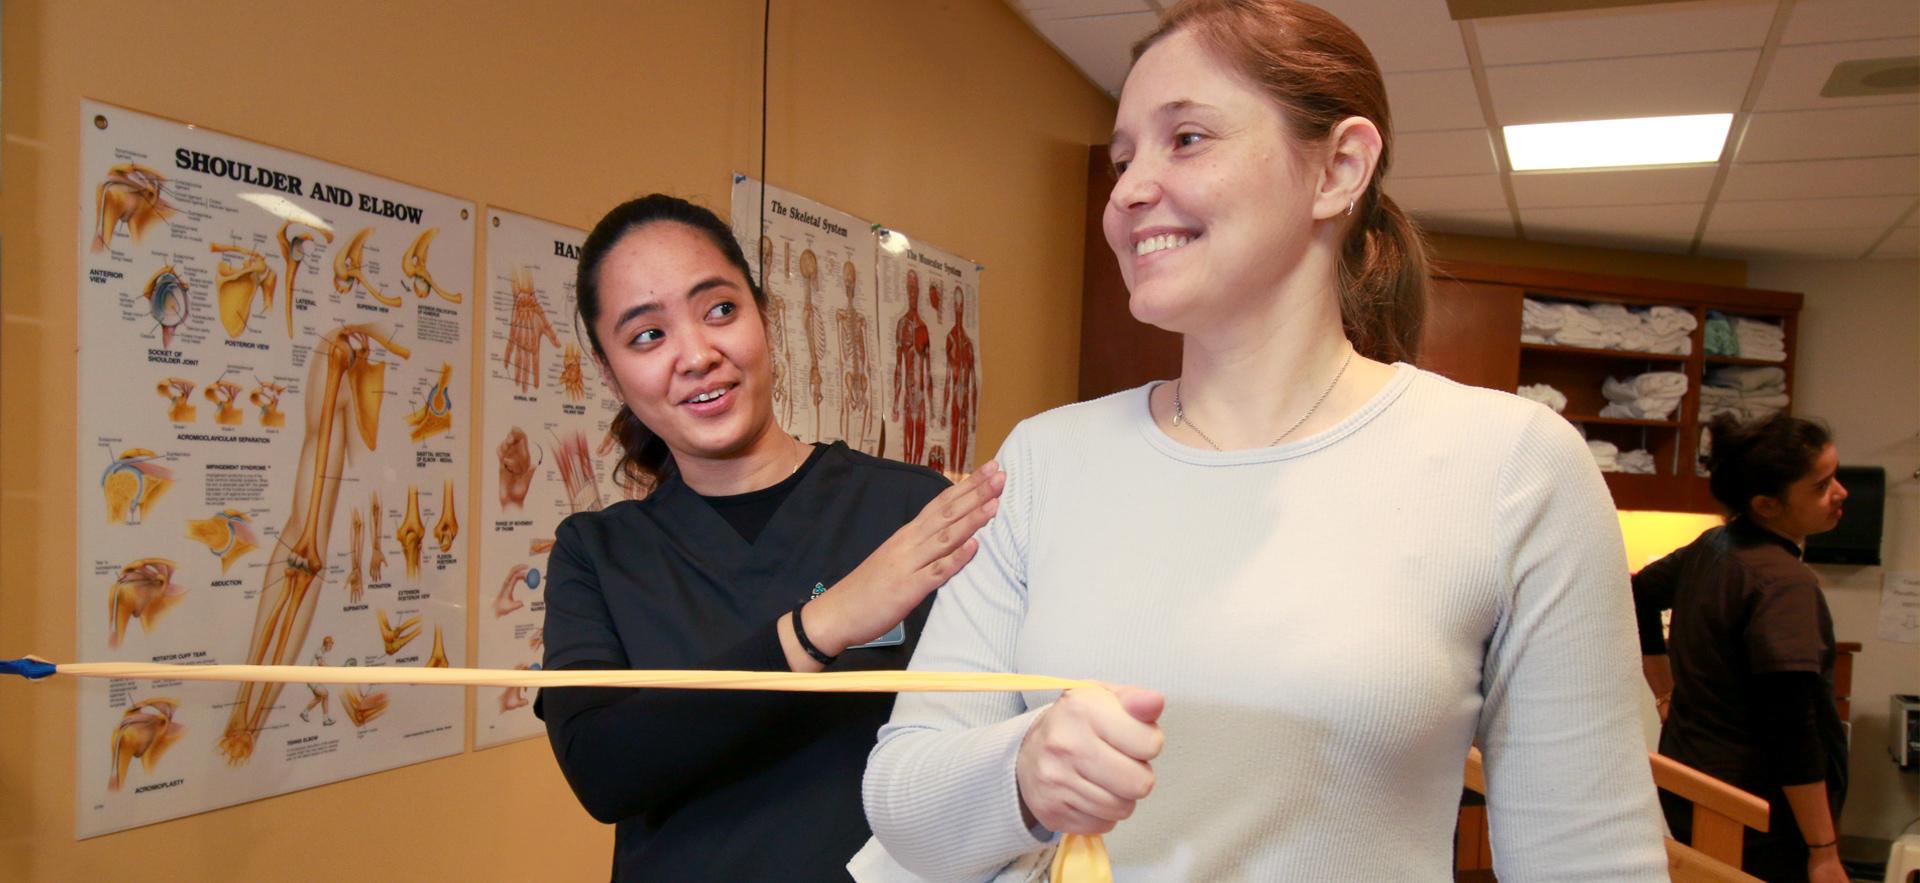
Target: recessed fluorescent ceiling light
[{"x": 1594, "y": 144}]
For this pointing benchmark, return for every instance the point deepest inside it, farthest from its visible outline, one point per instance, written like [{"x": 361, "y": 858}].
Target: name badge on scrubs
[{"x": 893, "y": 638}]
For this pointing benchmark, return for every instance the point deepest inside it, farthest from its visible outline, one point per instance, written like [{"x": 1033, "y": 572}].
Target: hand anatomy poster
[
  {"x": 273, "y": 449},
  {"x": 822, "y": 315},
  {"x": 547, "y": 420},
  {"x": 930, "y": 310}
]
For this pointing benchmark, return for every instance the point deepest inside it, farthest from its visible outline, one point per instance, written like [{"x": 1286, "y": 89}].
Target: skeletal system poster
[
  {"x": 929, "y": 306},
  {"x": 822, "y": 316},
  {"x": 547, "y": 417},
  {"x": 272, "y": 457}
]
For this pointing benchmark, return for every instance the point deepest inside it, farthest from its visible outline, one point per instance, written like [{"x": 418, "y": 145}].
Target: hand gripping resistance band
[{"x": 1081, "y": 858}]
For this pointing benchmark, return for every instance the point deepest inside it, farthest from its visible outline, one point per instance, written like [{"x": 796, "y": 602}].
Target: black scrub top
[{"x": 711, "y": 785}]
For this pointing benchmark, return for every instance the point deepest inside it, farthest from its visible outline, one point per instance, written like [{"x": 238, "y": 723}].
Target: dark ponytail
[
  {"x": 1320, "y": 72},
  {"x": 645, "y": 459},
  {"x": 1761, "y": 458}
]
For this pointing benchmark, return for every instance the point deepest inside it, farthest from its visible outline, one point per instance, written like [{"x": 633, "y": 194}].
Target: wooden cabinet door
[{"x": 1472, "y": 333}]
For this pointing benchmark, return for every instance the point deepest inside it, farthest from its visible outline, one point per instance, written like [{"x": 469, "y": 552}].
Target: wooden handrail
[
  {"x": 1689, "y": 864},
  {"x": 1704, "y": 790}
]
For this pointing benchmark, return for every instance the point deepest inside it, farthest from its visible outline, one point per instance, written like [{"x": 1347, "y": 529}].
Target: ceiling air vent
[{"x": 1874, "y": 76}]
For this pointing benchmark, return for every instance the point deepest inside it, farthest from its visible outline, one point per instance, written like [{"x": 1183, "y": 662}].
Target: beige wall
[
  {"x": 951, "y": 121},
  {"x": 1858, "y": 368}
]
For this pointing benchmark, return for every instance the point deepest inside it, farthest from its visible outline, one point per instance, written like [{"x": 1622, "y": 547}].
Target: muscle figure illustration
[
  {"x": 395, "y": 637},
  {"x": 576, "y": 472},
  {"x": 912, "y": 374},
  {"x": 937, "y": 459},
  {"x": 436, "y": 413},
  {"x": 572, "y": 378},
  {"x": 133, "y": 482},
  {"x": 356, "y": 584},
  {"x": 167, "y": 302},
  {"x": 131, "y": 193},
  {"x": 447, "y": 527},
  {"x": 321, "y": 695},
  {"x": 959, "y": 393},
  {"x": 224, "y": 393},
  {"x": 145, "y": 590},
  {"x": 179, "y": 391},
  {"x": 293, "y": 250},
  {"x": 814, "y": 321},
  {"x": 350, "y": 270},
  {"x": 377, "y": 560},
  {"x": 145, "y": 731},
  {"x": 504, "y": 602},
  {"x": 778, "y": 360},
  {"x": 516, "y": 469},
  {"x": 413, "y": 265},
  {"x": 856, "y": 403},
  {"x": 363, "y": 704},
  {"x": 411, "y": 533},
  {"x": 345, "y": 385},
  {"x": 266, "y": 396},
  {"x": 228, "y": 535},
  {"x": 242, "y": 272},
  {"x": 438, "y": 658},
  {"x": 514, "y": 697},
  {"x": 525, "y": 327}
]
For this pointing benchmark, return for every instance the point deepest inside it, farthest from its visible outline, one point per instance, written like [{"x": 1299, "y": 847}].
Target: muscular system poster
[
  {"x": 930, "y": 352},
  {"x": 272, "y": 459},
  {"x": 822, "y": 316},
  {"x": 548, "y": 454}
]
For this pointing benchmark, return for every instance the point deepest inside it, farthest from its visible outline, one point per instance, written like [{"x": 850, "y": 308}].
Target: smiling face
[
  {"x": 1213, "y": 206},
  {"x": 685, "y": 346}
]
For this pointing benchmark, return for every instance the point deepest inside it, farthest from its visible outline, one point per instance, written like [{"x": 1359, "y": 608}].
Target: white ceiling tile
[
  {"x": 1790, "y": 243},
  {"x": 1807, "y": 214},
  {"x": 1101, "y": 47},
  {"x": 1448, "y": 193},
  {"x": 1498, "y": 224},
  {"x": 1815, "y": 179},
  {"x": 1050, "y": 10},
  {"x": 1824, "y": 21},
  {"x": 1423, "y": 101},
  {"x": 1904, "y": 243},
  {"x": 1887, "y": 130},
  {"x": 1424, "y": 154},
  {"x": 1404, "y": 35},
  {"x": 1619, "y": 88},
  {"x": 1799, "y": 73},
  {"x": 1659, "y": 29},
  {"x": 1656, "y": 226},
  {"x": 1612, "y": 187}
]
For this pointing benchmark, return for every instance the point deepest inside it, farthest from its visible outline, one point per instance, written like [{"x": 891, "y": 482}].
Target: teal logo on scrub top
[{"x": 818, "y": 590}]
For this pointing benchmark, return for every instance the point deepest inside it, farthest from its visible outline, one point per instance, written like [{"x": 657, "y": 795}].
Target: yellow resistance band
[{"x": 1081, "y": 858}]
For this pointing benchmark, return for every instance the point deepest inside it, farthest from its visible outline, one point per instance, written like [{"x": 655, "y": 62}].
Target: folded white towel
[
  {"x": 1758, "y": 330},
  {"x": 1653, "y": 384},
  {"x": 1748, "y": 378},
  {"x": 1605, "y": 454},
  {"x": 1669, "y": 320},
  {"x": 1638, "y": 462},
  {"x": 1545, "y": 395},
  {"x": 1614, "y": 317},
  {"x": 1641, "y": 409}
]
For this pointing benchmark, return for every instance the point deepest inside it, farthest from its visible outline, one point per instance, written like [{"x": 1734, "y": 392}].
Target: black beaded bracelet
[
  {"x": 1812, "y": 846},
  {"x": 800, "y": 634}
]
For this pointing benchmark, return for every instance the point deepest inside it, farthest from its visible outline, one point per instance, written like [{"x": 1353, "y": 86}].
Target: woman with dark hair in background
[
  {"x": 1745, "y": 672},
  {"x": 1336, "y": 571},
  {"x": 752, "y": 551}
]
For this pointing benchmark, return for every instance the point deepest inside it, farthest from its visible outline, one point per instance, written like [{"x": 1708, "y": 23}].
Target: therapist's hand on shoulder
[
  {"x": 920, "y": 557},
  {"x": 1087, "y": 760}
]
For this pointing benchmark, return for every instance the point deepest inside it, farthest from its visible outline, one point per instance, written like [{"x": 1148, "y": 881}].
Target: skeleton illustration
[
  {"x": 438, "y": 658},
  {"x": 133, "y": 482},
  {"x": 814, "y": 321},
  {"x": 266, "y": 396},
  {"x": 145, "y": 731},
  {"x": 576, "y": 473},
  {"x": 396, "y": 637},
  {"x": 145, "y": 590},
  {"x": 356, "y": 584},
  {"x": 131, "y": 193},
  {"x": 378, "y": 559},
  {"x": 242, "y": 272},
  {"x": 912, "y": 374},
  {"x": 778, "y": 360},
  {"x": 436, "y": 414},
  {"x": 413, "y": 265},
  {"x": 228, "y": 535},
  {"x": 525, "y": 327},
  {"x": 321, "y": 695},
  {"x": 224, "y": 393},
  {"x": 411, "y": 533},
  {"x": 856, "y": 403},
  {"x": 350, "y": 270},
  {"x": 350, "y": 386},
  {"x": 448, "y": 527},
  {"x": 572, "y": 378},
  {"x": 960, "y": 394},
  {"x": 179, "y": 391},
  {"x": 293, "y": 250},
  {"x": 167, "y": 301}
]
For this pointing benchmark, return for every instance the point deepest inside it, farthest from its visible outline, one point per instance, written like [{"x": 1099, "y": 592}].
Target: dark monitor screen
[{"x": 1857, "y": 539}]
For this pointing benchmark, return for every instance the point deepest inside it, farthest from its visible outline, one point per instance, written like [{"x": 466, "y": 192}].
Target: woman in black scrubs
[{"x": 753, "y": 551}]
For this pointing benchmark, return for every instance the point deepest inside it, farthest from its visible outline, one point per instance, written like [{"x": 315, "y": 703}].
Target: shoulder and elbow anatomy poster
[
  {"x": 547, "y": 419},
  {"x": 874, "y": 337},
  {"x": 280, "y": 477}
]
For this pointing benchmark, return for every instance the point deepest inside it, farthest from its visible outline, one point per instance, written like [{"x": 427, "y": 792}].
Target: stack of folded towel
[
  {"x": 1609, "y": 458},
  {"x": 1760, "y": 340},
  {"x": 1545, "y": 395},
  {"x": 1718, "y": 339},
  {"x": 1749, "y": 393},
  {"x": 1638, "y": 462},
  {"x": 1650, "y": 396},
  {"x": 1664, "y": 330}
]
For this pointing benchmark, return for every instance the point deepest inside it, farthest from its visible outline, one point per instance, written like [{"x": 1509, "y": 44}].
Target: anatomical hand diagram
[
  {"x": 516, "y": 469},
  {"x": 525, "y": 327},
  {"x": 572, "y": 378}
]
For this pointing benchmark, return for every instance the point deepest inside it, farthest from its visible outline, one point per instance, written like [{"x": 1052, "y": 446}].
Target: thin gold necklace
[{"x": 1180, "y": 413}]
